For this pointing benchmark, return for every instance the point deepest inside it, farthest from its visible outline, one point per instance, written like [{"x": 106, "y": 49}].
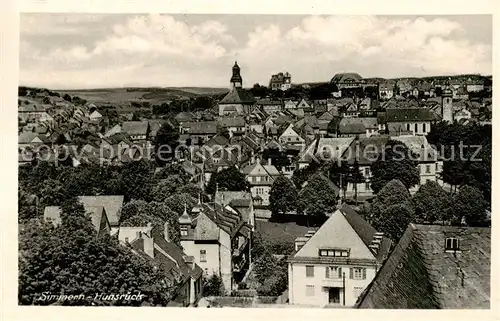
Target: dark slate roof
[
  {"x": 366, "y": 232},
  {"x": 237, "y": 96},
  {"x": 419, "y": 273},
  {"x": 346, "y": 77},
  {"x": 112, "y": 205},
  {"x": 227, "y": 220},
  {"x": 408, "y": 114},
  {"x": 369, "y": 148}
]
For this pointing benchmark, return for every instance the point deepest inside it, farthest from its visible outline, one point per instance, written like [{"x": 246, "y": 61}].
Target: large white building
[{"x": 335, "y": 264}]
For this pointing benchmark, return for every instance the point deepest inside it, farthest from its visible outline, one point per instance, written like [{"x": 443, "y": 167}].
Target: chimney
[
  {"x": 189, "y": 261},
  {"x": 149, "y": 246},
  {"x": 166, "y": 231}
]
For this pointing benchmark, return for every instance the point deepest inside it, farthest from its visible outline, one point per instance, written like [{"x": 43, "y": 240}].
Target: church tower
[
  {"x": 236, "y": 80},
  {"x": 447, "y": 104}
]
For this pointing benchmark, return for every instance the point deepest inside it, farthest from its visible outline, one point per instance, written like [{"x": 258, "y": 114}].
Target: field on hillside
[{"x": 152, "y": 95}]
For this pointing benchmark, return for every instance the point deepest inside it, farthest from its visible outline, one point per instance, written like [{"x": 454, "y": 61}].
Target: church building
[{"x": 238, "y": 101}]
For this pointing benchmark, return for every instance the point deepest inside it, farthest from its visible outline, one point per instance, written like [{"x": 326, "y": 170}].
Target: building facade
[{"x": 334, "y": 265}]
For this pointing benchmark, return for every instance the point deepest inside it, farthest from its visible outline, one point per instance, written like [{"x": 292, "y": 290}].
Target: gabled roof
[
  {"x": 202, "y": 128},
  {"x": 231, "y": 121},
  {"x": 238, "y": 95},
  {"x": 420, "y": 274},
  {"x": 366, "y": 232},
  {"x": 214, "y": 216},
  {"x": 336, "y": 146},
  {"x": 29, "y": 137},
  {"x": 345, "y": 229},
  {"x": 225, "y": 197},
  {"x": 357, "y": 125},
  {"x": 369, "y": 147},
  {"x": 135, "y": 127},
  {"x": 112, "y": 205}
]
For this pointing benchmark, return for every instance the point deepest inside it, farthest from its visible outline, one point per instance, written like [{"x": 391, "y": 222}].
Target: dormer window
[
  {"x": 334, "y": 252},
  {"x": 452, "y": 244}
]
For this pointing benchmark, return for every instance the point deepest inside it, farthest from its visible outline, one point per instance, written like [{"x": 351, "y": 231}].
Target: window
[
  {"x": 408, "y": 127},
  {"x": 203, "y": 255},
  {"x": 452, "y": 244},
  {"x": 309, "y": 270},
  {"x": 367, "y": 185},
  {"x": 254, "y": 179},
  {"x": 309, "y": 290},
  {"x": 333, "y": 272},
  {"x": 184, "y": 230},
  {"x": 416, "y": 128},
  {"x": 357, "y": 273},
  {"x": 334, "y": 253},
  {"x": 427, "y": 169},
  {"x": 367, "y": 171},
  {"x": 423, "y": 127}
]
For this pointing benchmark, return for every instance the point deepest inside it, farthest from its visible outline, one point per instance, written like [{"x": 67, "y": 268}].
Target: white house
[
  {"x": 290, "y": 136},
  {"x": 335, "y": 264}
]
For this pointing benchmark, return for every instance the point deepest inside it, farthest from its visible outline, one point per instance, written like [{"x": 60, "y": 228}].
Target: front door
[{"x": 333, "y": 295}]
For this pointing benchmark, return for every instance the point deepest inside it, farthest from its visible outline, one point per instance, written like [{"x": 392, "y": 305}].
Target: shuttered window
[
  {"x": 333, "y": 272},
  {"x": 309, "y": 270},
  {"x": 357, "y": 273}
]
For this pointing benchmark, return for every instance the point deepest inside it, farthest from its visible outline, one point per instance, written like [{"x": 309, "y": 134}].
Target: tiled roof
[
  {"x": 28, "y": 137},
  {"x": 237, "y": 96},
  {"x": 357, "y": 125},
  {"x": 112, "y": 205},
  {"x": 231, "y": 121},
  {"x": 337, "y": 146},
  {"x": 369, "y": 147},
  {"x": 135, "y": 127},
  {"x": 227, "y": 196},
  {"x": 366, "y": 232},
  {"x": 226, "y": 220},
  {"x": 203, "y": 127},
  {"x": 419, "y": 273}
]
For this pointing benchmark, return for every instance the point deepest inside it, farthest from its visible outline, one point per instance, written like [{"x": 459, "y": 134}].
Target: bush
[{"x": 213, "y": 286}]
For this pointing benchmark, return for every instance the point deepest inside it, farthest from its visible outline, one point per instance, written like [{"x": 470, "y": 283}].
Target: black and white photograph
[{"x": 317, "y": 161}]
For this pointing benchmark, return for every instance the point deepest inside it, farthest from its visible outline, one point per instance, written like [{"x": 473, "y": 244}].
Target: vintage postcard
[{"x": 311, "y": 161}]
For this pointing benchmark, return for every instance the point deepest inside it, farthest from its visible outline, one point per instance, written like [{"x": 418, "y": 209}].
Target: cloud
[{"x": 170, "y": 51}]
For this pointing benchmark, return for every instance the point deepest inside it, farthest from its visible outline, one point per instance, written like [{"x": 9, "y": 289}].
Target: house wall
[
  {"x": 257, "y": 128},
  {"x": 298, "y": 282},
  {"x": 263, "y": 191},
  {"x": 238, "y": 107},
  {"x": 182, "y": 297},
  {"x": 422, "y": 128},
  {"x": 427, "y": 172},
  {"x": 226, "y": 265},
  {"x": 211, "y": 266}
]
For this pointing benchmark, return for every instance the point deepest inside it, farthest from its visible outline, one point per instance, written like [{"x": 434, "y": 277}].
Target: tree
[
  {"x": 283, "y": 197},
  {"x": 469, "y": 205},
  {"x": 318, "y": 197},
  {"x": 353, "y": 176},
  {"x": 165, "y": 142},
  {"x": 140, "y": 213},
  {"x": 167, "y": 187},
  {"x": 394, "y": 220},
  {"x": 22, "y": 91},
  {"x": 393, "y": 193},
  {"x": 396, "y": 161},
  {"x": 67, "y": 97},
  {"x": 432, "y": 203},
  {"x": 178, "y": 202},
  {"x": 333, "y": 125},
  {"x": 52, "y": 193},
  {"x": 229, "y": 179},
  {"x": 69, "y": 259},
  {"x": 137, "y": 179},
  {"x": 300, "y": 176},
  {"x": 213, "y": 286},
  {"x": 271, "y": 274}
]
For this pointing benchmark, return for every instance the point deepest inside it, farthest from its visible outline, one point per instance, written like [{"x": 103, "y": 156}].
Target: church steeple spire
[{"x": 236, "y": 80}]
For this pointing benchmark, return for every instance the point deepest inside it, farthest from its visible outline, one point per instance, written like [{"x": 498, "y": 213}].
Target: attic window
[
  {"x": 452, "y": 244},
  {"x": 333, "y": 253}
]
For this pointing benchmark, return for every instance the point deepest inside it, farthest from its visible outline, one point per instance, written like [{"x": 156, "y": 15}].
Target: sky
[{"x": 81, "y": 51}]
